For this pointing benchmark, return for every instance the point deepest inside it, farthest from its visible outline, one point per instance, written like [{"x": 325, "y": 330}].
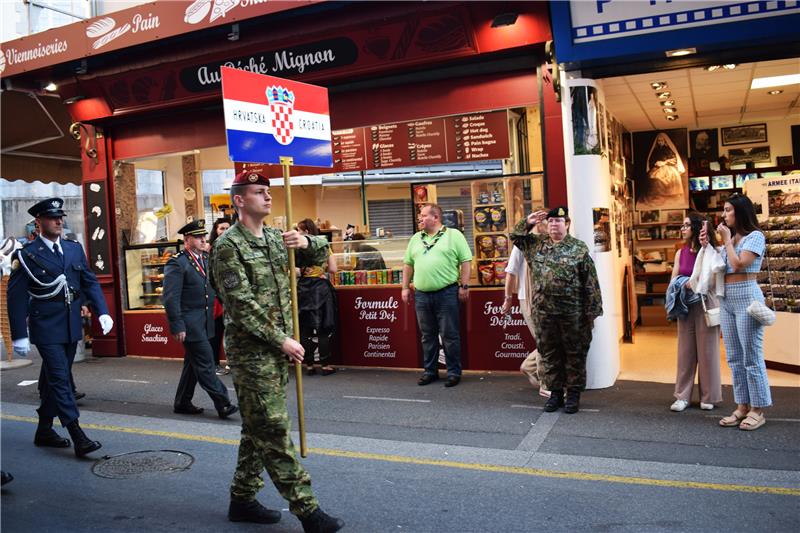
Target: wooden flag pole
[{"x": 286, "y": 164}]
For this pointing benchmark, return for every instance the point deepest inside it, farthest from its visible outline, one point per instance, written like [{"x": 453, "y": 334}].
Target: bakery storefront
[
  {"x": 453, "y": 103},
  {"x": 700, "y": 94}
]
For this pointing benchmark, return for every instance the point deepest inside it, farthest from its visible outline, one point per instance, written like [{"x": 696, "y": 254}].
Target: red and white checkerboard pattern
[{"x": 282, "y": 122}]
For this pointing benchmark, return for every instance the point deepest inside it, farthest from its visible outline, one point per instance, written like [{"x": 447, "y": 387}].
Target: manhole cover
[{"x": 142, "y": 464}]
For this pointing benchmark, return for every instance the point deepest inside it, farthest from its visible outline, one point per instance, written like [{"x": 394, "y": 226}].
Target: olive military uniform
[
  {"x": 251, "y": 277},
  {"x": 564, "y": 296}
]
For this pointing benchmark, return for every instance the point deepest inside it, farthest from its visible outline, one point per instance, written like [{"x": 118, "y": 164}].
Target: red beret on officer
[{"x": 250, "y": 178}]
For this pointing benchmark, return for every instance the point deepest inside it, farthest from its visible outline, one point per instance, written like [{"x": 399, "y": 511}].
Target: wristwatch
[{"x": 463, "y": 286}]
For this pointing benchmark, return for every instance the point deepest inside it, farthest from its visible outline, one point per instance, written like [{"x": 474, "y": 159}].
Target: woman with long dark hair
[
  {"x": 316, "y": 306},
  {"x": 698, "y": 344},
  {"x": 220, "y": 226},
  {"x": 743, "y": 250}
]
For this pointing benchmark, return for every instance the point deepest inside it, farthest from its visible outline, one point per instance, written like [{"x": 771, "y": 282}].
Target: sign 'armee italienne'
[{"x": 267, "y": 118}]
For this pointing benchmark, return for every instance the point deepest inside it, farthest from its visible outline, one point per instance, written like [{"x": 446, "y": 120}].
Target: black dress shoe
[
  {"x": 239, "y": 511},
  {"x": 320, "y": 522},
  {"x": 79, "y": 395},
  {"x": 49, "y": 438},
  {"x": 187, "y": 409},
  {"x": 573, "y": 401},
  {"x": 427, "y": 379},
  {"x": 328, "y": 371},
  {"x": 555, "y": 401},
  {"x": 452, "y": 381},
  {"x": 227, "y": 411}
]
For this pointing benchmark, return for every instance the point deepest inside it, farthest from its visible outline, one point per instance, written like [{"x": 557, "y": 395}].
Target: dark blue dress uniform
[
  {"x": 189, "y": 302},
  {"x": 45, "y": 292}
]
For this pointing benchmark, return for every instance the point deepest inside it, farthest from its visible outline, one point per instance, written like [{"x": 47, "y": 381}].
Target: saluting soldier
[
  {"x": 565, "y": 299},
  {"x": 250, "y": 266},
  {"x": 189, "y": 302},
  {"x": 50, "y": 278}
]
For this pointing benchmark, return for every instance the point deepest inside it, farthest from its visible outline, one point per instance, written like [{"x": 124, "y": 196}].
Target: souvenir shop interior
[{"x": 687, "y": 139}]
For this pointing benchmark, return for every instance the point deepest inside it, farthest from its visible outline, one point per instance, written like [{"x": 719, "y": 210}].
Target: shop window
[
  {"x": 149, "y": 199},
  {"x": 18, "y": 196},
  {"x": 394, "y": 216},
  {"x": 215, "y": 182}
]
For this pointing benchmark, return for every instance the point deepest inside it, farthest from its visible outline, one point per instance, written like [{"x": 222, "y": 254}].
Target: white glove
[
  {"x": 106, "y": 322},
  {"x": 22, "y": 346}
]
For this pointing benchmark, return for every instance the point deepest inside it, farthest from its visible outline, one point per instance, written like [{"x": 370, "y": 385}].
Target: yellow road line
[{"x": 525, "y": 471}]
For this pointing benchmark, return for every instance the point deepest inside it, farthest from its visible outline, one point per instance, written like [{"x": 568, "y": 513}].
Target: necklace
[{"x": 436, "y": 238}]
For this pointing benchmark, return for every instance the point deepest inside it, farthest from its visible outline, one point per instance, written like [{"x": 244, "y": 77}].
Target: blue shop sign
[{"x": 602, "y": 29}]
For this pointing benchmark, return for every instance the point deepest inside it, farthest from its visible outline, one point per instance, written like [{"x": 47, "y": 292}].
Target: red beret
[{"x": 250, "y": 178}]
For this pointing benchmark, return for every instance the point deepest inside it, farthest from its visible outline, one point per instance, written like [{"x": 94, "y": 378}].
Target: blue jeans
[{"x": 437, "y": 315}]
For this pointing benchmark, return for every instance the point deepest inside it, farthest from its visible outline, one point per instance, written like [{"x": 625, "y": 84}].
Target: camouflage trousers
[
  {"x": 260, "y": 381},
  {"x": 563, "y": 342}
]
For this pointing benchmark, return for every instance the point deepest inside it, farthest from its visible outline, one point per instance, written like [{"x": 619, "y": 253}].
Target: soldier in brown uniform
[
  {"x": 250, "y": 270},
  {"x": 564, "y": 298}
]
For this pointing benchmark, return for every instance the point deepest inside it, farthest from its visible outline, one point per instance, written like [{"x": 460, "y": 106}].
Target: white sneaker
[
  {"x": 706, "y": 406},
  {"x": 679, "y": 405}
]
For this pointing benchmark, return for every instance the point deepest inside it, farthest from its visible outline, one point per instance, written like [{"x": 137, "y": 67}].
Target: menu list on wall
[{"x": 471, "y": 137}]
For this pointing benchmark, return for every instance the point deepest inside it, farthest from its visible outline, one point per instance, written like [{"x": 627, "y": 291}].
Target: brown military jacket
[
  {"x": 562, "y": 279},
  {"x": 251, "y": 276}
]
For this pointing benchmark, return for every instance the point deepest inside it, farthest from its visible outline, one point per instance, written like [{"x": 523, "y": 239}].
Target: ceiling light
[
  {"x": 665, "y": 94},
  {"x": 672, "y": 117},
  {"x": 73, "y": 99},
  {"x": 681, "y": 52},
  {"x": 504, "y": 19},
  {"x": 728, "y": 66},
  {"x": 668, "y": 103},
  {"x": 670, "y": 110},
  {"x": 51, "y": 87},
  {"x": 775, "y": 91},
  {"x": 775, "y": 81},
  {"x": 658, "y": 85}
]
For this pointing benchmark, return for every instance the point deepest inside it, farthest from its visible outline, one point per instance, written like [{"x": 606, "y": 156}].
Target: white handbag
[
  {"x": 758, "y": 310},
  {"x": 711, "y": 315}
]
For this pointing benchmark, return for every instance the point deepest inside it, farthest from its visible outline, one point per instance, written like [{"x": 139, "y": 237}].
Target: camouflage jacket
[
  {"x": 251, "y": 276},
  {"x": 562, "y": 279}
]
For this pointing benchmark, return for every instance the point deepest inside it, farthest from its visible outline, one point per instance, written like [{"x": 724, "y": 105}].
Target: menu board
[
  {"x": 349, "y": 152},
  {"x": 471, "y": 137},
  {"x": 495, "y": 341}
]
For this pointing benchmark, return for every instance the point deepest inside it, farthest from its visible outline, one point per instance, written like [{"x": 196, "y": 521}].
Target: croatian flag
[{"x": 267, "y": 118}]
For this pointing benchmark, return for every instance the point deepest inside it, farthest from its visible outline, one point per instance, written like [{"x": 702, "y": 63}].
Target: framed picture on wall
[
  {"x": 652, "y": 216},
  {"x": 673, "y": 216},
  {"x": 643, "y": 234},
  {"x": 749, "y": 134},
  {"x": 703, "y": 146},
  {"x": 757, "y": 154},
  {"x": 784, "y": 161},
  {"x": 672, "y": 232}
]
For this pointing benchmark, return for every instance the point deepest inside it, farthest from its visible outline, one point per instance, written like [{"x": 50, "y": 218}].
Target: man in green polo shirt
[{"x": 438, "y": 261}]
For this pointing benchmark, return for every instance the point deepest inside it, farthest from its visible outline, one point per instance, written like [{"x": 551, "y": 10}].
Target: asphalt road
[{"x": 387, "y": 455}]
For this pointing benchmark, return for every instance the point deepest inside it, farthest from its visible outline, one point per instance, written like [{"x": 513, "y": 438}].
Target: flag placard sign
[{"x": 267, "y": 118}]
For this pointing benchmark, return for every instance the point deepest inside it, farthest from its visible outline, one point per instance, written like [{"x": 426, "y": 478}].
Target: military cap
[
  {"x": 51, "y": 208},
  {"x": 194, "y": 228},
  {"x": 250, "y": 178},
  {"x": 558, "y": 212}
]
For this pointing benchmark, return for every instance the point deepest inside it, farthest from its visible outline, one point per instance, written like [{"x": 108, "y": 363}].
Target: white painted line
[
  {"x": 130, "y": 381},
  {"x": 386, "y": 399},
  {"x": 796, "y": 420},
  {"x": 521, "y": 406},
  {"x": 27, "y": 382}
]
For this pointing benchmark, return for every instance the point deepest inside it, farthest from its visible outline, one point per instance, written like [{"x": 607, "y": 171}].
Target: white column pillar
[{"x": 589, "y": 186}]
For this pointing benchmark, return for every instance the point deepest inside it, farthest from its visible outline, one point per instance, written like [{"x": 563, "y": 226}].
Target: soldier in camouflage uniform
[
  {"x": 564, "y": 296},
  {"x": 249, "y": 266}
]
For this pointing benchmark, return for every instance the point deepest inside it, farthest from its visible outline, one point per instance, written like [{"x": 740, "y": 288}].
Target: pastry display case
[
  {"x": 144, "y": 273},
  {"x": 779, "y": 278}
]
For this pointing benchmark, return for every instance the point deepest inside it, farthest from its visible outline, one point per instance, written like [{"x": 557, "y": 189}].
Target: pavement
[{"x": 388, "y": 455}]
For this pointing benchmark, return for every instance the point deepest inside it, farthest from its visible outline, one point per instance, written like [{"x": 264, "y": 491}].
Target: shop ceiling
[{"x": 703, "y": 98}]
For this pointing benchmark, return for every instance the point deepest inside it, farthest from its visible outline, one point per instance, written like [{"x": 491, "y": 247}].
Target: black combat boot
[
  {"x": 82, "y": 443},
  {"x": 573, "y": 401},
  {"x": 320, "y": 522},
  {"x": 555, "y": 401},
  {"x": 47, "y": 436},
  {"x": 252, "y": 511}
]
